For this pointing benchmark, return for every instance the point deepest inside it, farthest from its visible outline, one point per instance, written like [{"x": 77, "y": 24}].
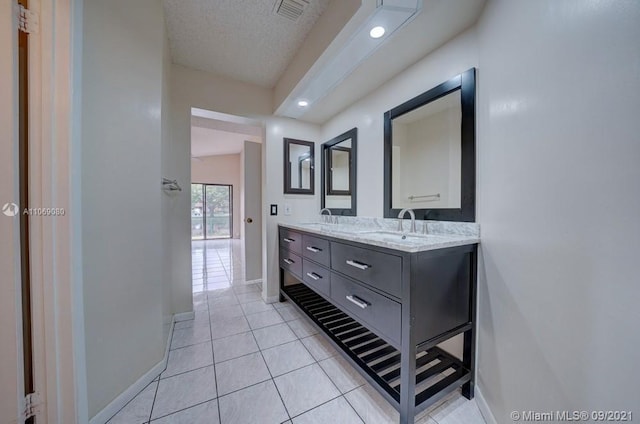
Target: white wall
[
  {"x": 303, "y": 207},
  {"x": 221, "y": 169},
  {"x": 558, "y": 185},
  {"x": 367, "y": 114},
  {"x": 558, "y": 153},
  {"x": 121, "y": 194}
]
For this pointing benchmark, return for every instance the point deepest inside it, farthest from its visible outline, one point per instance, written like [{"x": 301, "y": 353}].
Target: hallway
[{"x": 243, "y": 361}]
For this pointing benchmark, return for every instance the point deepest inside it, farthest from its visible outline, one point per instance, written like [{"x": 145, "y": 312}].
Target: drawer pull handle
[
  {"x": 288, "y": 261},
  {"x": 288, "y": 240},
  {"x": 314, "y": 276},
  {"x": 357, "y": 301},
  {"x": 313, "y": 249},
  {"x": 358, "y": 264}
]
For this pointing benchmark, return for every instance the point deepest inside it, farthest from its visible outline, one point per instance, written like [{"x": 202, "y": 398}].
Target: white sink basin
[
  {"x": 402, "y": 238},
  {"x": 332, "y": 228}
]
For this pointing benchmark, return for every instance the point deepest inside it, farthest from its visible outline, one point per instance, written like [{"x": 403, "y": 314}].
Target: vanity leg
[
  {"x": 407, "y": 385},
  {"x": 469, "y": 348},
  {"x": 468, "y": 359},
  {"x": 281, "y": 285}
]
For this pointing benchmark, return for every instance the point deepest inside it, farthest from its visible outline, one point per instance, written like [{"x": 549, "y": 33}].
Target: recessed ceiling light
[
  {"x": 377, "y": 32},
  {"x": 303, "y": 103}
]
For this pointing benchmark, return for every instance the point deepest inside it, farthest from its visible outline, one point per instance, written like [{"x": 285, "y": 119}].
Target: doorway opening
[
  {"x": 226, "y": 198},
  {"x": 211, "y": 211}
]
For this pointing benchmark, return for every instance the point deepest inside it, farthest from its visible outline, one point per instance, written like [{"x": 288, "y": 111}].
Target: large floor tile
[
  {"x": 272, "y": 336},
  {"x": 264, "y": 319},
  {"x": 335, "y": 411},
  {"x": 287, "y": 357},
  {"x": 374, "y": 409},
  {"x": 289, "y": 313},
  {"x": 279, "y": 305},
  {"x": 234, "y": 346},
  {"x": 245, "y": 288},
  {"x": 138, "y": 410},
  {"x": 188, "y": 358},
  {"x": 219, "y": 301},
  {"x": 242, "y": 372},
  {"x": 319, "y": 347},
  {"x": 229, "y": 327},
  {"x": 343, "y": 375},
  {"x": 184, "y": 390},
  {"x": 225, "y": 312},
  {"x": 256, "y": 404},
  {"x": 205, "y": 413},
  {"x": 458, "y": 410},
  {"x": 189, "y": 336},
  {"x": 304, "y": 389},
  {"x": 249, "y": 297},
  {"x": 302, "y": 328},
  {"x": 255, "y": 307}
]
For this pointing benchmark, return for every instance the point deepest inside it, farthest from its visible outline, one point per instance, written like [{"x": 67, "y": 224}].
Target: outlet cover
[{"x": 287, "y": 209}]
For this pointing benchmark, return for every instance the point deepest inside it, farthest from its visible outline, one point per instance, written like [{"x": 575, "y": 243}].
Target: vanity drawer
[
  {"x": 290, "y": 261},
  {"x": 380, "y": 270},
  {"x": 290, "y": 240},
  {"x": 379, "y": 313},
  {"x": 316, "y": 277},
  {"x": 316, "y": 249}
]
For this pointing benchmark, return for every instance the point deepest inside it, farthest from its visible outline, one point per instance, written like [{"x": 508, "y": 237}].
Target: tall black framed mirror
[
  {"x": 299, "y": 166},
  {"x": 339, "y": 157},
  {"x": 429, "y": 153}
]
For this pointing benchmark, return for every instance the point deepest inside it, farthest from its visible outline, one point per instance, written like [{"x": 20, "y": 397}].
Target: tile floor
[{"x": 243, "y": 361}]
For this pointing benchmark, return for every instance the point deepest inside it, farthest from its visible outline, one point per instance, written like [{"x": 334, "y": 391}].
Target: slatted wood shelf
[{"x": 437, "y": 372}]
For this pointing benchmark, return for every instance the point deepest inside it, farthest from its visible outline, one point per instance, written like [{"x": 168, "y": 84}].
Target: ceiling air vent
[{"x": 291, "y": 9}]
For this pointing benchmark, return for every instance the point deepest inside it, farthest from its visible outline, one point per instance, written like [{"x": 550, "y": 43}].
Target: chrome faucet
[
  {"x": 401, "y": 217},
  {"x": 328, "y": 218}
]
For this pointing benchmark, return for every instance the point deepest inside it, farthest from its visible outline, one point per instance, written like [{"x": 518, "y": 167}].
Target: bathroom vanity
[{"x": 385, "y": 300}]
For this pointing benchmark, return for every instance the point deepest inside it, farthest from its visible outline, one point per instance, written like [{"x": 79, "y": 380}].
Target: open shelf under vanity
[{"x": 437, "y": 372}]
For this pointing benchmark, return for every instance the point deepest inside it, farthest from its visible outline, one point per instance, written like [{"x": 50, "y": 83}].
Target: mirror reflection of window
[
  {"x": 339, "y": 160},
  {"x": 300, "y": 166},
  {"x": 339, "y": 169},
  {"x": 427, "y": 157}
]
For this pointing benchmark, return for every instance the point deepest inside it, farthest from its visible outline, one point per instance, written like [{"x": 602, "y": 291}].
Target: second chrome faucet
[{"x": 412, "y": 215}]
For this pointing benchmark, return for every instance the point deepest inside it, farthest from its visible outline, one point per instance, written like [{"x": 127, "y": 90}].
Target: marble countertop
[{"x": 383, "y": 233}]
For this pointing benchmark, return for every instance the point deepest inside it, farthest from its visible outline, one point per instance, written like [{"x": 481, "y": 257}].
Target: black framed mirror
[
  {"x": 429, "y": 153},
  {"x": 339, "y": 157},
  {"x": 299, "y": 166}
]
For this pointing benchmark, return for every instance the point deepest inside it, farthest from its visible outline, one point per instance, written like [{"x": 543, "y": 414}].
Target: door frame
[{"x": 54, "y": 181}]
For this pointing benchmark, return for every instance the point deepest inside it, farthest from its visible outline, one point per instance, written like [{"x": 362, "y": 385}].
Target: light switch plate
[{"x": 287, "y": 209}]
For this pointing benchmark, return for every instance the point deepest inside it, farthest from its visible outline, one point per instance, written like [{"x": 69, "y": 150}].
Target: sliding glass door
[{"x": 211, "y": 211}]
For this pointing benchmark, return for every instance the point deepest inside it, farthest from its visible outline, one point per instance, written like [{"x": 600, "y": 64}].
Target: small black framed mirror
[
  {"x": 299, "y": 166},
  {"x": 429, "y": 153},
  {"x": 339, "y": 157}
]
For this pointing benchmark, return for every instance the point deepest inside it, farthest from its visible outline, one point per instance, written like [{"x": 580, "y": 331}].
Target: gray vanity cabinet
[{"x": 387, "y": 310}]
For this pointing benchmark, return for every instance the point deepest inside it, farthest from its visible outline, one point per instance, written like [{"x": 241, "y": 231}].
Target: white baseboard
[
  {"x": 259, "y": 280},
  {"x": 125, "y": 397},
  {"x": 484, "y": 407},
  {"x": 184, "y": 316}
]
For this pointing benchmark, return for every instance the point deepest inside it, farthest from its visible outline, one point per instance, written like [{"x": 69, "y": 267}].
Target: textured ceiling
[{"x": 241, "y": 39}]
